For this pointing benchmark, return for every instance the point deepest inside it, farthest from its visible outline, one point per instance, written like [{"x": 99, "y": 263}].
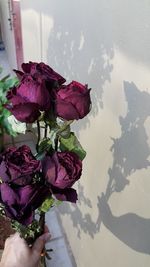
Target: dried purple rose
[
  {"x": 18, "y": 166},
  {"x": 21, "y": 202},
  {"x": 43, "y": 71},
  {"x": 61, "y": 171},
  {"x": 73, "y": 101},
  {"x": 28, "y": 99}
]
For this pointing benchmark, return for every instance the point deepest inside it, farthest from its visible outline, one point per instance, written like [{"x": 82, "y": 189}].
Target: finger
[
  {"x": 12, "y": 237},
  {"x": 46, "y": 230},
  {"x": 40, "y": 242}
]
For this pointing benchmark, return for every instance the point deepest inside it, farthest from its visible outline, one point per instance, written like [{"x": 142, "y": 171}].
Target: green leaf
[
  {"x": 3, "y": 98},
  {"x": 8, "y": 127},
  {"x": 5, "y": 78},
  {"x": 5, "y": 85},
  {"x": 72, "y": 144},
  {"x": 65, "y": 133},
  {"x": 44, "y": 145},
  {"x": 2, "y": 208},
  {"x": 64, "y": 128},
  {"x": 1, "y": 85},
  {"x": 4, "y": 121},
  {"x": 47, "y": 204},
  {"x": 17, "y": 126},
  {"x": 30, "y": 232},
  {"x": 40, "y": 156},
  {"x": 6, "y": 112},
  {"x": 1, "y": 69},
  {"x": 9, "y": 83}
]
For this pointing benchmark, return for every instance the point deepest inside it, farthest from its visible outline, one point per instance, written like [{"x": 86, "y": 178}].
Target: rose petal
[
  {"x": 27, "y": 66},
  {"x": 49, "y": 168},
  {"x": 66, "y": 110},
  {"x": 3, "y": 171},
  {"x": 68, "y": 194},
  {"x": 19, "y": 74},
  {"x": 34, "y": 92},
  {"x": 28, "y": 112},
  {"x": 73, "y": 101},
  {"x": 46, "y": 72},
  {"x": 8, "y": 196},
  {"x": 20, "y": 165},
  {"x": 49, "y": 74}
]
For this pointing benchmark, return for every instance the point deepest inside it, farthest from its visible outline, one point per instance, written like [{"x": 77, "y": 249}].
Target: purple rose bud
[
  {"x": 73, "y": 101},
  {"x": 18, "y": 166},
  {"x": 61, "y": 171}
]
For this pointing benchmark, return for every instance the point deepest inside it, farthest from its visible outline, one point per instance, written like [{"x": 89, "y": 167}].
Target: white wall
[
  {"x": 8, "y": 35},
  {"x": 106, "y": 44}
]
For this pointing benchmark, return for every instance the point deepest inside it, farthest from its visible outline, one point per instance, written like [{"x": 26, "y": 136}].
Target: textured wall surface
[{"x": 106, "y": 44}]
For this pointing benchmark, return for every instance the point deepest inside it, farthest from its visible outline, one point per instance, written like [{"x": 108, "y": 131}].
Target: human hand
[{"x": 18, "y": 254}]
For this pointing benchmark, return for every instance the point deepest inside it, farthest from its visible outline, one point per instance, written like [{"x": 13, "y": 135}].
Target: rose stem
[
  {"x": 45, "y": 134},
  {"x": 42, "y": 224},
  {"x": 39, "y": 135},
  {"x": 42, "y": 221},
  {"x": 56, "y": 142},
  {"x": 44, "y": 261}
]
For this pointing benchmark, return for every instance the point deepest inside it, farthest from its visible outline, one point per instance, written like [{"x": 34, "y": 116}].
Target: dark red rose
[
  {"x": 18, "y": 166},
  {"x": 28, "y": 99},
  {"x": 21, "y": 202},
  {"x": 43, "y": 71},
  {"x": 73, "y": 101},
  {"x": 61, "y": 171}
]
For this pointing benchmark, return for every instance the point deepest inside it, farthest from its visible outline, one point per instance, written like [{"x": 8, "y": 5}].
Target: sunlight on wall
[
  {"x": 47, "y": 26},
  {"x": 105, "y": 44},
  {"x": 31, "y": 35},
  {"x": 117, "y": 163}
]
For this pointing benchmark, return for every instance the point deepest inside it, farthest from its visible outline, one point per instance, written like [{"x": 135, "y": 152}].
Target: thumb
[{"x": 40, "y": 242}]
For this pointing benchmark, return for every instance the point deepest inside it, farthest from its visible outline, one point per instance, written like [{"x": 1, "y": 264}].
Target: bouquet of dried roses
[{"x": 31, "y": 183}]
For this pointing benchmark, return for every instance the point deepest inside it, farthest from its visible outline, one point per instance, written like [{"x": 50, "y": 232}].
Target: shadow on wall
[
  {"x": 112, "y": 23},
  {"x": 128, "y": 156},
  {"x": 129, "y": 228},
  {"x": 82, "y": 223},
  {"x": 81, "y": 46},
  {"x": 82, "y": 36}
]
